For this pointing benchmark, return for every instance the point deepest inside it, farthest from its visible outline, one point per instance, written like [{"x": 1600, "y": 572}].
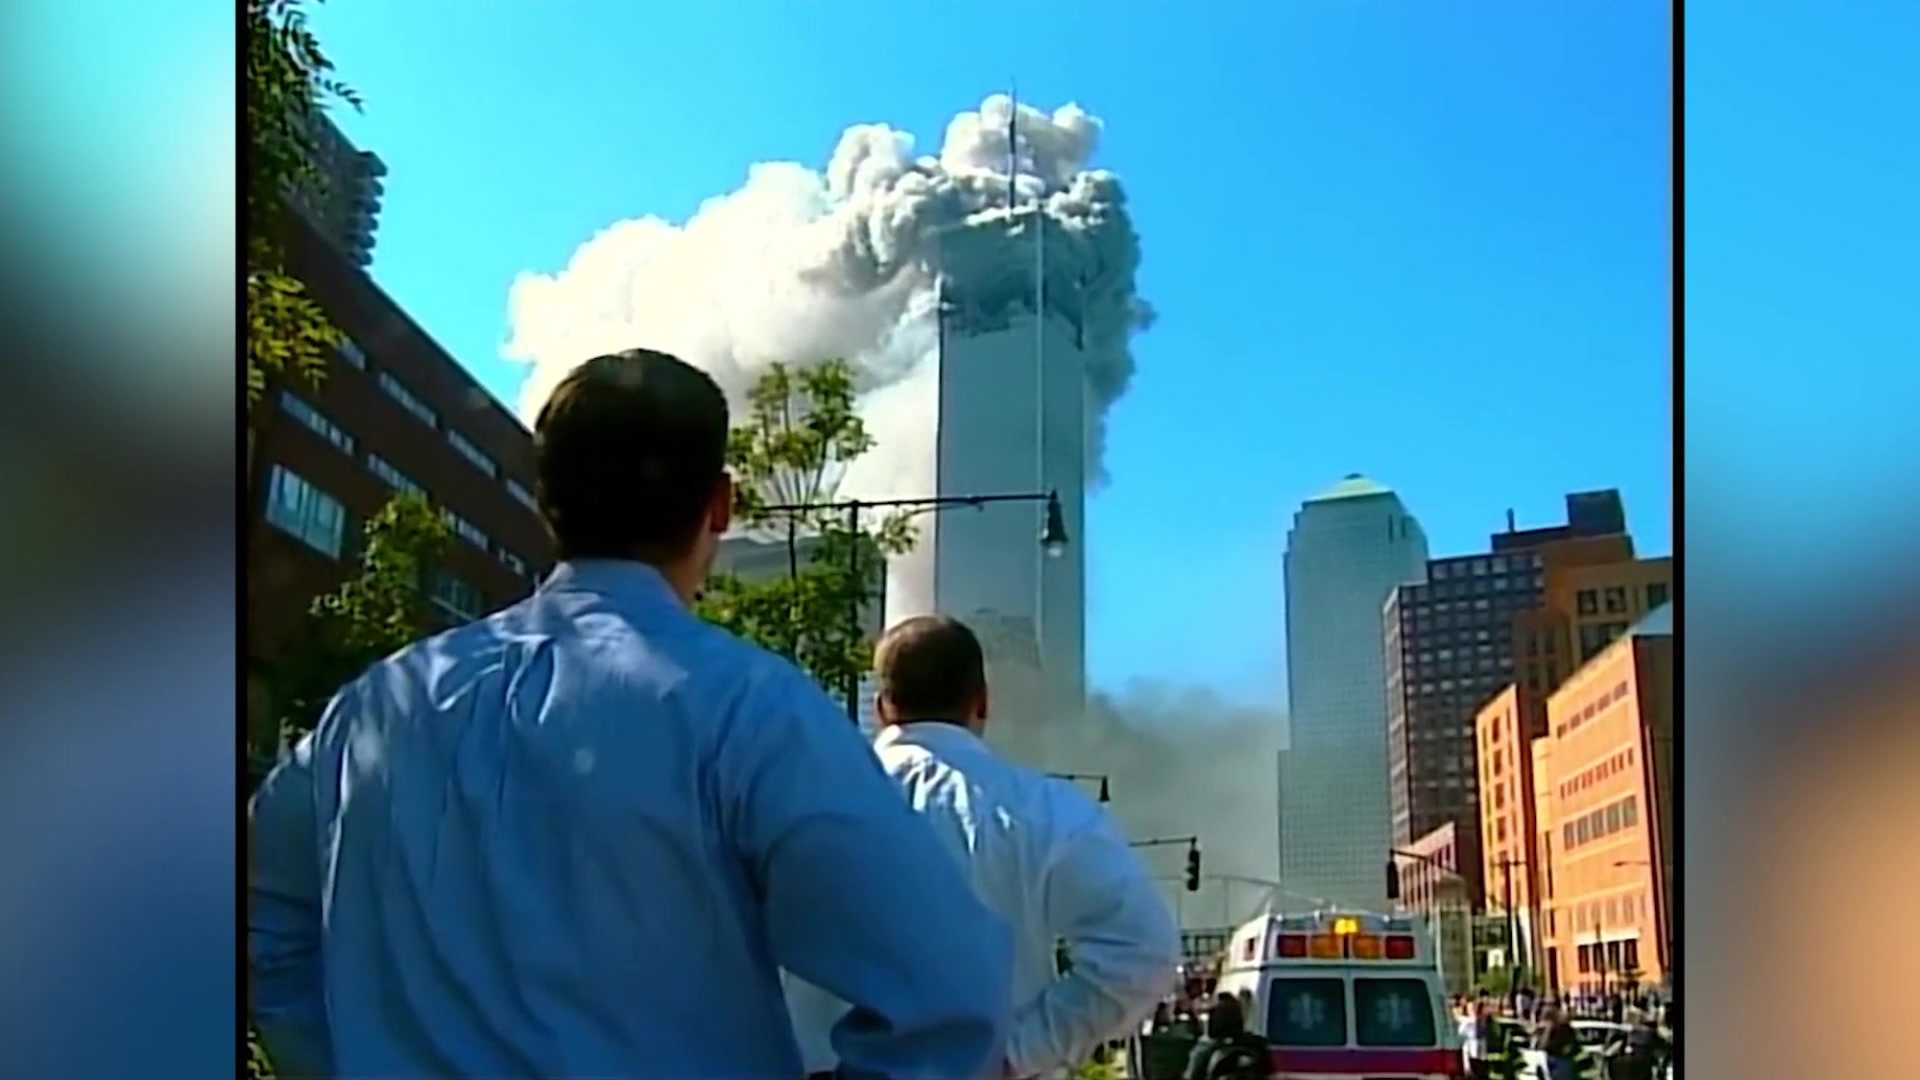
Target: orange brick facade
[
  {"x": 1604, "y": 817},
  {"x": 1505, "y": 729}
]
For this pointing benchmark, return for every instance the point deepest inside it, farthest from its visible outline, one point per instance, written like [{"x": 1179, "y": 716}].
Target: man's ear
[{"x": 720, "y": 509}]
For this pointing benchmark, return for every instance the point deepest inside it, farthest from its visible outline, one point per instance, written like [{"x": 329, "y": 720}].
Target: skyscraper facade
[
  {"x": 1011, "y": 418},
  {"x": 1349, "y": 547}
]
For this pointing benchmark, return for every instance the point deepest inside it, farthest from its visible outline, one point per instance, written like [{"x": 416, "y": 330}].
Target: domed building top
[{"x": 1352, "y": 486}]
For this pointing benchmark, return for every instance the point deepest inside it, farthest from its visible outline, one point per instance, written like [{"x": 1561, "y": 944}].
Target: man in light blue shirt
[{"x": 579, "y": 838}]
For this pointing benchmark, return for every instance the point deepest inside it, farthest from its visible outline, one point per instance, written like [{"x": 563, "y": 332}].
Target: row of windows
[
  {"x": 1598, "y": 915},
  {"x": 1595, "y": 707},
  {"x": 476, "y": 456},
  {"x": 420, "y": 410},
  {"x": 467, "y": 530},
  {"x": 311, "y": 418},
  {"x": 393, "y": 477},
  {"x": 1619, "y": 956},
  {"x": 1588, "y": 777},
  {"x": 398, "y": 391},
  {"x": 1595, "y": 637},
  {"x": 301, "y": 509},
  {"x": 317, "y": 519},
  {"x": 1496, "y": 564},
  {"x": 1601, "y": 823}
]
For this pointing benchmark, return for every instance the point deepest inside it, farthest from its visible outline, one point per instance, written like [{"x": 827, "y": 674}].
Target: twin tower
[{"x": 1011, "y": 417}]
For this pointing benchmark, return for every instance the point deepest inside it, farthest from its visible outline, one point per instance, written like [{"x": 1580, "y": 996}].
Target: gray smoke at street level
[
  {"x": 1182, "y": 761},
  {"x": 798, "y": 265}
]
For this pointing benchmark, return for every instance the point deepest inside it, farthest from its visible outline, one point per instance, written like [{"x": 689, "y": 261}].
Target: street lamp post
[
  {"x": 1102, "y": 777},
  {"x": 1053, "y": 540}
]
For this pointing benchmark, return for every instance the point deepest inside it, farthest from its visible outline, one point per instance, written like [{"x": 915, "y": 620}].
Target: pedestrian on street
[
  {"x": 1227, "y": 1052},
  {"x": 582, "y": 836},
  {"x": 1639, "y": 1054},
  {"x": 1560, "y": 1043},
  {"x": 1474, "y": 1035},
  {"x": 1035, "y": 849}
]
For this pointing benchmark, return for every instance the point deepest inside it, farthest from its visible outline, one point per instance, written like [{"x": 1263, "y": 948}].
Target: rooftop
[{"x": 1352, "y": 486}]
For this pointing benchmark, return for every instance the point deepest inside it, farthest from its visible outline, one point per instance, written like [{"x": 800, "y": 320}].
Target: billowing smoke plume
[
  {"x": 799, "y": 265},
  {"x": 1182, "y": 762}
]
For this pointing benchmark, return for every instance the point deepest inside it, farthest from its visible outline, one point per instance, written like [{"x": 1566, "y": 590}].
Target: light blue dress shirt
[{"x": 580, "y": 838}]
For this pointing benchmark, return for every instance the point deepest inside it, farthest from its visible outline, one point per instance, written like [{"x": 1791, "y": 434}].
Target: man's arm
[
  {"x": 288, "y": 998},
  {"x": 1121, "y": 939},
  {"x": 861, "y": 900}
]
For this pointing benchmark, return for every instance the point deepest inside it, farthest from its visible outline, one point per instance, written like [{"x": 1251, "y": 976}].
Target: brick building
[
  {"x": 1605, "y": 778},
  {"x": 1505, "y": 730},
  {"x": 395, "y": 413}
]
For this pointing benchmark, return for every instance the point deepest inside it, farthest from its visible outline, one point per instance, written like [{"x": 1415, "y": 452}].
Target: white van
[{"x": 1340, "y": 995}]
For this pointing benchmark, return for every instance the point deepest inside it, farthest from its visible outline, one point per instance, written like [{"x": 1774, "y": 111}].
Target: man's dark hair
[
  {"x": 628, "y": 450},
  {"x": 930, "y": 668}
]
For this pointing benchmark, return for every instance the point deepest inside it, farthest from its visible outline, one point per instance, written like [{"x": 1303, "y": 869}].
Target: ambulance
[{"x": 1343, "y": 995}]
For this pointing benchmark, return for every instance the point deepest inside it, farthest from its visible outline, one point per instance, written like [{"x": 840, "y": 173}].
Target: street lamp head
[{"x": 1053, "y": 536}]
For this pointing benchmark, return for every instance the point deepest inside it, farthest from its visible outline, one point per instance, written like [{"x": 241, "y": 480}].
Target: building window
[
  {"x": 1656, "y": 594},
  {"x": 1630, "y": 812},
  {"x": 305, "y": 512},
  {"x": 1439, "y": 571},
  {"x": 514, "y": 563},
  {"x": 421, "y": 410},
  {"x": 1593, "y": 638},
  {"x": 1630, "y": 955},
  {"x": 522, "y": 495},
  {"x": 456, "y": 597},
  {"x": 468, "y": 531},
  {"x": 1499, "y": 564},
  {"x": 349, "y": 351},
  {"x": 472, "y": 453},
  {"x": 1479, "y": 566},
  {"x": 393, "y": 477},
  {"x": 311, "y": 418},
  {"x": 1589, "y": 602},
  {"x": 1616, "y": 599}
]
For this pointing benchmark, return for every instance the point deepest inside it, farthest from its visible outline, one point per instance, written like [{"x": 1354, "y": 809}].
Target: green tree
[
  {"x": 288, "y": 81},
  {"x": 792, "y": 449},
  {"x": 381, "y": 609}
]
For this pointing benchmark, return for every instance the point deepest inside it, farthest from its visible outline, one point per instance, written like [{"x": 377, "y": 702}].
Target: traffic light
[{"x": 1193, "y": 868}]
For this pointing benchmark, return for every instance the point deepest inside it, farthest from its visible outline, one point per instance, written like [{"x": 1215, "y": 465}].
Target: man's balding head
[{"x": 931, "y": 668}]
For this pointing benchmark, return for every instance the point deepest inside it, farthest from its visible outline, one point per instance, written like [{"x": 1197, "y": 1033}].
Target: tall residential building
[
  {"x": 1011, "y": 417},
  {"x": 1349, "y": 547},
  {"x": 1450, "y": 647},
  {"x": 395, "y": 413},
  {"x": 1607, "y": 816},
  {"x": 344, "y": 205}
]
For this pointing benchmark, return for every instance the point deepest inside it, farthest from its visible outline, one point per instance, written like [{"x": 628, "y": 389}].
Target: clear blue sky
[{"x": 1420, "y": 241}]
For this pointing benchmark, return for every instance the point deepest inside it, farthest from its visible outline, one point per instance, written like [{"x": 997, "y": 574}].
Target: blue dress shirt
[{"x": 580, "y": 838}]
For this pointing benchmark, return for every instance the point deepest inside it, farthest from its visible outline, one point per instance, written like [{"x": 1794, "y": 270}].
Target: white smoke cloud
[
  {"x": 798, "y": 265},
  {"x": 1182, "y": 761}
]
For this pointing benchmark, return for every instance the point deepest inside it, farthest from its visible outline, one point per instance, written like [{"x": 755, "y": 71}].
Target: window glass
[
  {"x": 393, "y": 477},
  {"x": 312, "y": 419},
  {"x": 1393, "y": 1012},
  {"x": 1307, "y": 1012},
  {"x": 350, "y": 352},
  {"x": 305, "y": 512},
  {"x": 399, "y": 393},
  {"x": 476, "y": 456}
]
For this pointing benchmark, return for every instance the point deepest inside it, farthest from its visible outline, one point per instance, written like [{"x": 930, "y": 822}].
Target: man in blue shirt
[{"x": 579, "y": 838}]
